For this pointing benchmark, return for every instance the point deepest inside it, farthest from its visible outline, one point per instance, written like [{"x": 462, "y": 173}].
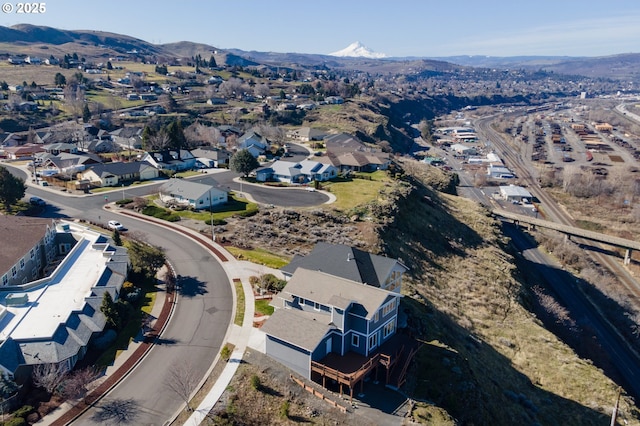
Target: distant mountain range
[{"x": 44, "y": 41}]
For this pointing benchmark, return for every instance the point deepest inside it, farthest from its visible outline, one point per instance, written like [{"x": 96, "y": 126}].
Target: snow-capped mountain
[{"x": 358, "y": 50}]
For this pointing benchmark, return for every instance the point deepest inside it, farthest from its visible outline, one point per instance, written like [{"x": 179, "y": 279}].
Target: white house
[
  {"x": 302, "y": 172},
  {"x": 194, "y": 195}
]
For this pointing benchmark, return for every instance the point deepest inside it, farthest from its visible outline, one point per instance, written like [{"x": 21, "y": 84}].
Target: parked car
[
  {"x": 36, "y": 201},
  {"x": 115, "y": 225}
]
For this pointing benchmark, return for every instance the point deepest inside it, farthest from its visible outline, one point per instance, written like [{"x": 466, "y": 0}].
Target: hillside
[{"x": 487, "y": 359}]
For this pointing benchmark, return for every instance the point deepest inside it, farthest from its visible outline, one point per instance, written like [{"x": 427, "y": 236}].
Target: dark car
[{"x": 36, "y": 201}]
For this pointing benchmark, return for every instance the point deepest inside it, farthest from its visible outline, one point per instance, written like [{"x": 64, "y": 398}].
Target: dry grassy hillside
[{"x": 488, "y": 360}]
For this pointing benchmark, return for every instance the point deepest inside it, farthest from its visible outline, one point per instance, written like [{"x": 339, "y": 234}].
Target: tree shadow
[
  {"x": 190, "y": 287},
  {"x": 117, "y": 411}
]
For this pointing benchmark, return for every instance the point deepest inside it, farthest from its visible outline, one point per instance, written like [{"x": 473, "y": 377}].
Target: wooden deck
[{"x": 351, "y": 369}]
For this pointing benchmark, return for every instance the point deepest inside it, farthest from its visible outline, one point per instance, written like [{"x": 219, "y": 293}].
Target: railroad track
[{"x": 552, "y": 210}]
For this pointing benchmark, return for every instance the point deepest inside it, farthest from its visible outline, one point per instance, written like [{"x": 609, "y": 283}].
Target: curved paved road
[{"x": 194, "y": 335}]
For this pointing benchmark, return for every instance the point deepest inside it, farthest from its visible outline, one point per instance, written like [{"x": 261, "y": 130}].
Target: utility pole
[
  {"x": 213, "y": 236},
  {"x": 614, "y": 415}
]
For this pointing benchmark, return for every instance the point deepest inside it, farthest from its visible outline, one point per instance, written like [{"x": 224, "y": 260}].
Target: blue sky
[{"x": 396, "y": 28}]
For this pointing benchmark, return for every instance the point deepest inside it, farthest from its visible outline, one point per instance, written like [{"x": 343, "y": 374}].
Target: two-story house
[
  {"x": 331, "y": 315},
  {"x": 340, "y": 327}
]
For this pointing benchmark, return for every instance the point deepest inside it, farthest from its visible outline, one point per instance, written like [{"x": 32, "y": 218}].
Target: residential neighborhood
[{"x": 192, "y": 234}]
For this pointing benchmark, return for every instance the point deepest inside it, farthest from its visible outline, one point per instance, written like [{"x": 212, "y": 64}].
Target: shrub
[
  {"x": 216, "y": 222},
  {"x": 123, "y": 202},
  {"x": 247, "y": 213},
  {"x": 284, "y": 409},
  {"x": 225, "y": 353},
  {"x": 255, "y": 382},
  {"x": 16, "y": 421},
  {"x": 160, "y": 213},
  {"x": 23, "y": 411}
]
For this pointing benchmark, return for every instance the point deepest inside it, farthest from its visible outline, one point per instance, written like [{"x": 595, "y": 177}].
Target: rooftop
[{"x": 71, "y": 289}]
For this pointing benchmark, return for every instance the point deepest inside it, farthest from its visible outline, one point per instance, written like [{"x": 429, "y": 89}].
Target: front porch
[{"x": 394, "y": 356}]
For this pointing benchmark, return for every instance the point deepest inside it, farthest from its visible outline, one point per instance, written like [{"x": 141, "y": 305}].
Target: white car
[{"x": 115, "y": 225}]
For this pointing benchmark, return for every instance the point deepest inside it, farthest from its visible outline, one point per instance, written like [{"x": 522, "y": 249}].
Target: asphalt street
[{"x": 196, "y": 331}]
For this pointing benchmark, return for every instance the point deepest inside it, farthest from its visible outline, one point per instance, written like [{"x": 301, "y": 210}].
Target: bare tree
[
  {"x": 75, "y": 384},
  {"x": 262, "y": 90},
  {"x": 182, "y": 381},
  {"x": 159, "y": 141},
  {"x": 48, "y": 376},
  {"x": 233, "y": 87}
]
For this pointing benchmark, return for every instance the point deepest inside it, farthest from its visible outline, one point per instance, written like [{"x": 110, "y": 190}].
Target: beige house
[{"x": 114, "y": 174}]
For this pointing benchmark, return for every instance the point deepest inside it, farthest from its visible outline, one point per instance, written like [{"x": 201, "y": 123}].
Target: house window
[
  {"x": 355, "y": 340},
  {"x": 316, "y": 306},
  {"x": 34, "y": 273},
  {"x": 301, "y": 301},
  {"x": 373, "y": 341},
  {"x": 64, "y": 248},
  {"x": 389, "y": 329},
  {"x": 22, "y": 263},
  {"x": 31, "y": 253},
  {"x": 14, "y": 272},
  {"x": 376, "y": 316},
  {"x": 5, "y": 279},
  {"x": 389, "y": 307}
]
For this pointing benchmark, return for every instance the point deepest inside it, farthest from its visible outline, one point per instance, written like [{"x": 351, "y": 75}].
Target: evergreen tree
[
  {"x": 11, "y": 188},
  {"x": 147, "y": 135},
  {"x": 117, "y": 239},
  {"x": 60, "y": 80},
  {"x": 86, "y": 113},
  {"x": 110, "y": 311},
  {"x": 212, "y": 62},
  {"x": 177, "y": 139},
  {"x": 243, "y": 162}
]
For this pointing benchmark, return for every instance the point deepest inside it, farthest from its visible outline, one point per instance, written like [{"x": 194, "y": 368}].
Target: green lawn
[
  {"x": 238, "y": 320},
  {"x": 233, "y": 206},
  {"x": 260, "y": 256},
  {"x": 263, "y": 307},
  {"x": 353, "y": 192}
]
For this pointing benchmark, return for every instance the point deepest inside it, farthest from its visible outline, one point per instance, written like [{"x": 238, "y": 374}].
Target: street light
[{"x": 123, "y": 192}]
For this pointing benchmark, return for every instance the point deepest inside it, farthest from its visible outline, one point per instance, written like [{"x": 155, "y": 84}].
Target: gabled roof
[
  {"x": 169, "y": 156},
  {"x": 328, "y": 289},
  {"x": 253, "y": 138},
  {"x": 119, "y": 168},
  {"x": 306, "y": 334},
  {"x": 127, "y": 132},
  {"x": 213, "y": 154},
  {"x": 187, "y": 189},
  {"x": 346, "y": 262}
]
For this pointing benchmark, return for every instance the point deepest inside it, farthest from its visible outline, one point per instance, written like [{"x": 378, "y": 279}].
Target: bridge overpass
[{"x": 629, "y": 245}]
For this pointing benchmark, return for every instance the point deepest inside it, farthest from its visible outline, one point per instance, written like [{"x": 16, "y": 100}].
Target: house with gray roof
[
  {"x": 170, "y": 159},
  {"x": 352, "y": 264},
  {"x": 253, "y": 142},
  {"x": 211, "y": 157},
  {"x": 193, "y": 195},
  {"x": 348, "y": 153},
  {"x": 116, "y": 173},
  {"x": 319, "y": 316},
  {"x": 302, "y": 172},
  {"x": 52, "y": 318}
]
